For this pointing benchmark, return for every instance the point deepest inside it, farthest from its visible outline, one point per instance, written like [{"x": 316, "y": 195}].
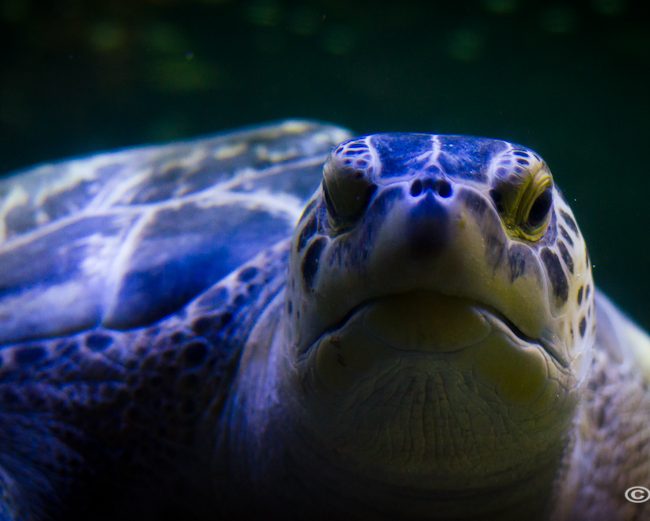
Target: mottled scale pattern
[{"x": 614, "y": 450}]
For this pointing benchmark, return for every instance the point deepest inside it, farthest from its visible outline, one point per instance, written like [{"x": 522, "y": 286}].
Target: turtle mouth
[{"x": 431, "y": 322}]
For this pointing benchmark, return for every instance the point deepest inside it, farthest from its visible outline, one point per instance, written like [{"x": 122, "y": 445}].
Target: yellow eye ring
[{"x": 525, "y": 208}]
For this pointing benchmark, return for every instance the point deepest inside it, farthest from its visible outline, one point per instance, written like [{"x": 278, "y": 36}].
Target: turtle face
[{"x": 440, "y": 302}]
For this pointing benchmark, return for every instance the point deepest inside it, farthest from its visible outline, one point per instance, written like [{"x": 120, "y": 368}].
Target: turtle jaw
[
  {"x": 441, "y": 329},
  {"x": 393, "y": 387},
  {"x": 432, "y": 322}
]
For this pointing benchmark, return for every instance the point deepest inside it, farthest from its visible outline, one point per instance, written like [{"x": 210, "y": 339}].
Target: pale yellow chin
[
  {"x": 422, "y": 386},
  {"x": 432, "y": 333}
]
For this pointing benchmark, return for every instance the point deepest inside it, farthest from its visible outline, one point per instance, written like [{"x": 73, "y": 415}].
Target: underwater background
[{"x": 569, "y": 79}]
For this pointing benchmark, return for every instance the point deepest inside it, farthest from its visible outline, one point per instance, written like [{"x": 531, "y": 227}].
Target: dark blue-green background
[{"x": 569, "y": 79}]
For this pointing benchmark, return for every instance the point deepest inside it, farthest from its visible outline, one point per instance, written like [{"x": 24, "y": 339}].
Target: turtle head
[{"x": 441, "y": 315}]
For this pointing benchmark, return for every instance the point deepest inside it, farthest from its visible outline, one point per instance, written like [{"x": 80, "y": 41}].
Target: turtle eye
[
  {"x": 525, "y": 205},
  {"x": 539, "y": 210},
  {"x": 347, "y": 191}
]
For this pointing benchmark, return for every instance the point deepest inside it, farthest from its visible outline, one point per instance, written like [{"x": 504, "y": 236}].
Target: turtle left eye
[
  {"x": 524, "y": 203},
  {"x": 539, "y": 209}
]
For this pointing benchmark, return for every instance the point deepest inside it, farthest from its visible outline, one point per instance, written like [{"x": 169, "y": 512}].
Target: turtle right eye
[{"x": 347, "y": 192}]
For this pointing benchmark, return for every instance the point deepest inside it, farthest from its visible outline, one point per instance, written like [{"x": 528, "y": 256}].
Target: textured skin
[
  {"x": 152, "y": 348},
  {"x": 613, "y": 452}
]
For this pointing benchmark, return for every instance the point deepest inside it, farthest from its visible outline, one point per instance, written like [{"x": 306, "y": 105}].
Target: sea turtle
[{"x": 187, "y": 332}]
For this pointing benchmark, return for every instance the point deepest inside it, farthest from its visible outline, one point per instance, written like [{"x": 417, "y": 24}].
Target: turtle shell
[{"x": 122, "y": 239}]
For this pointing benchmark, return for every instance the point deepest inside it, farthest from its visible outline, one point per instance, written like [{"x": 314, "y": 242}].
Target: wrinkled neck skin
[{"x": 402, "y": 446}]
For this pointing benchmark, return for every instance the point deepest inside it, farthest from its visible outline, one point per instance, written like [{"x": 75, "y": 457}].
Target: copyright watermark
[{"x": 637, "y": 494}]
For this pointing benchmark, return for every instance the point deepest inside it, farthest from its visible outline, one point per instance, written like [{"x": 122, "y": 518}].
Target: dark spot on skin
[
  {"x": 29, "y": 355},
  {"x": 494, "y": 248},
  {"x": 516, "y": 261},
  {"x": 177, "y": 337},
  {"x": 566, "y": 256},
  {"x": 556, "y": 275},
  {"x": 201, "y": 325},
  {"x": 600, "y": 417},
  {"x": 523, "y": 161},
  {"x": 307, "y": 232},
  {"x": 566, "y": 235},
  {"x": 311, "y": 261},
  {"x": 490, "y": 225},
  {"x": 239, "y": 300},
  {"x": 226, "y": 318},
  {"x": 474, "y": 203},
  {"x": 583, "y": 327},
  {"x": 569, "y": 221},
  {"x": 98, "y": 341},
  {"x": 194, "y": 353},
  {"x": 580, "y": 295},
  {"x": 247, "y": 274},
  {"x": 519, "y": 153},
  {"x": 289, "y": 307}
]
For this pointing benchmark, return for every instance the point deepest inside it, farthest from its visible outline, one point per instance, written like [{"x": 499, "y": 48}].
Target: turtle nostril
[
  {"x": 416, "y": 188},
  {"x": 441, "y": 187},
  {"x": 444, "y": 189}
]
